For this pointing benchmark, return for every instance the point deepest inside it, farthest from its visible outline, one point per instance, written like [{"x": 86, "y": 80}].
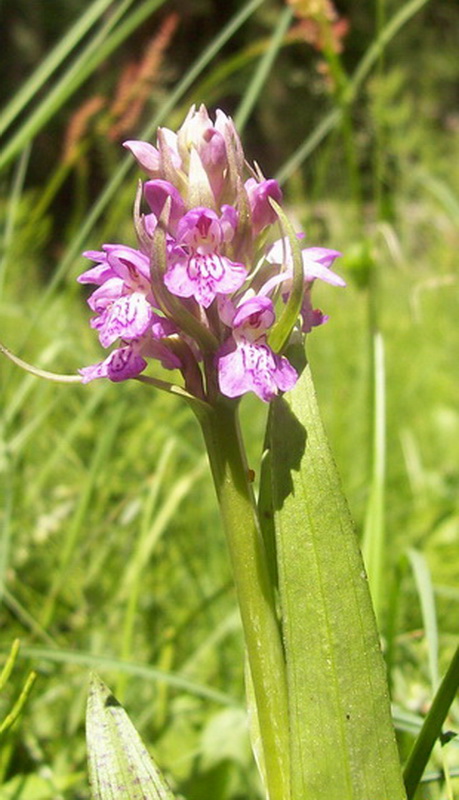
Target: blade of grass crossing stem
[
  {"x": 431, "y": 728},
  {"x": 5, "y": 535},
  {"x": 342, "y": 739},
  {"x": 55, "y": 655},
  {"x": 373, "y": 536},
  {"x": 154, "y": 523},
  {"x": 119, "y": 764}
]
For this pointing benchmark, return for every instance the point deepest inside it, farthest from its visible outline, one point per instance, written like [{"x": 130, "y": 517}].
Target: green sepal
[
  {"x": 341, "y": 734},
  {"x": 119, "y": 765},
  {"x": 199, "y": 192},
  {"x": 283, "y": 328}
]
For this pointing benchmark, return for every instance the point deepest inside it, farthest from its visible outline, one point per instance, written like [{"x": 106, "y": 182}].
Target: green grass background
[{"x": 111, "y": 554}]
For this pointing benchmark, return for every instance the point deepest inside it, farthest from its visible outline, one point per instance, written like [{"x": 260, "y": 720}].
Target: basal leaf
[
  {"x": 119, "y": 765},
  {"x": 342, "y": 739}
]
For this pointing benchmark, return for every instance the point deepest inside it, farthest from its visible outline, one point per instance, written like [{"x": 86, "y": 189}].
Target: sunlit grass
[{"x": 111, "y": 549}]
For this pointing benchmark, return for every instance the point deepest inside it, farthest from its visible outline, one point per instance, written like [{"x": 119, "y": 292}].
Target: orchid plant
[{"x": 219, "y": 291}]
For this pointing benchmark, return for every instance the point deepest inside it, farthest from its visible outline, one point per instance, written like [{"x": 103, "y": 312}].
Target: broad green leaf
[
  {"x": 342, "y": 739},
  {"x": 119, "y": 765}
]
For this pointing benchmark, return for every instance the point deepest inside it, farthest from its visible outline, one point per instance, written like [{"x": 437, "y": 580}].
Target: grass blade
[
  {"x": 334, "y": 117},
  {"x": 429, "y": 616},
  {"x": 101, "y": 45},
  {"x": 261, "y": 73},
  {"x": 373, "y": 544},
  {"x": 431, "y": 728},
  {"x": 53, "y": 60}
]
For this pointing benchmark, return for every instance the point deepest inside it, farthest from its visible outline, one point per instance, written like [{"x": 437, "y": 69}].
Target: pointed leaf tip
[{"x": 119, "y": 764}]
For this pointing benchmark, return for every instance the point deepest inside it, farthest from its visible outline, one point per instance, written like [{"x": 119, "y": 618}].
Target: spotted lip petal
[
  {"x": 245, "y": 366},
  {"x": 204, "y": 277},
  {"x": 127, "y": 318},
  {"x": 246, "y": 362},
  {"x": 197, "y": 268}
]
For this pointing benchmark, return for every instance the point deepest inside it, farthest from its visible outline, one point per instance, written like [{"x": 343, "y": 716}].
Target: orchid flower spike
[{"x": 201, "y": 290}]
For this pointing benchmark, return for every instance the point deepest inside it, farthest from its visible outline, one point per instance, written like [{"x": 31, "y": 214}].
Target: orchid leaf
[
  {"x": 119, "y": 765},
  {"x": 342, "y": 739}
]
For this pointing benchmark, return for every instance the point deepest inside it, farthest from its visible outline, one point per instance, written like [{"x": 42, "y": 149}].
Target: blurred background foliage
[{"x": 111, "y": 553}]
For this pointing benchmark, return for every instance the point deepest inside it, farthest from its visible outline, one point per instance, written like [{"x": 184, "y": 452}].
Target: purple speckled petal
[
  {"x": 255, "y": 315},
  {"x": 120, "y": 365},
  {"x": 247, "y": 366},
  {"x": 125, "y": 363},
  {"x": 204, "y": 277},
  {"x": 127, "y": 318},
  {"x": 105, "y": 295}
]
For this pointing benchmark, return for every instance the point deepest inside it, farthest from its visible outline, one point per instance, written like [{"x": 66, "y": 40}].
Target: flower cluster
[{"x": 201, "y": 290}]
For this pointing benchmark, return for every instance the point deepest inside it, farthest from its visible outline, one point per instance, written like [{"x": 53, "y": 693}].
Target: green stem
[{"x": 254, "y": 589}]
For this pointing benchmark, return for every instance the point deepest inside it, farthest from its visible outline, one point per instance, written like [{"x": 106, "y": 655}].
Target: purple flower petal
[
  {"x": 204, "y": 231},
  {"x": 127, "y": 318},
  {"x": 129, "y": 264},
  {"x": 105, "y": 295},
  {"x": 145, "y": 154},
  {"x": 252, "y": 366},
  {"x": 311, "y": 317},
  {"x": 120, "y": 365},
  {"x": 161, "y": 352},
  {"x": 204, "y": 277},
  {"x": 98, "y": 274},
  {"x": 157, "y": 193},
  {"x": 254, "y": 316},
  {"x": 316, "y": 261},
  {"x": 259, "y": 194}
]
